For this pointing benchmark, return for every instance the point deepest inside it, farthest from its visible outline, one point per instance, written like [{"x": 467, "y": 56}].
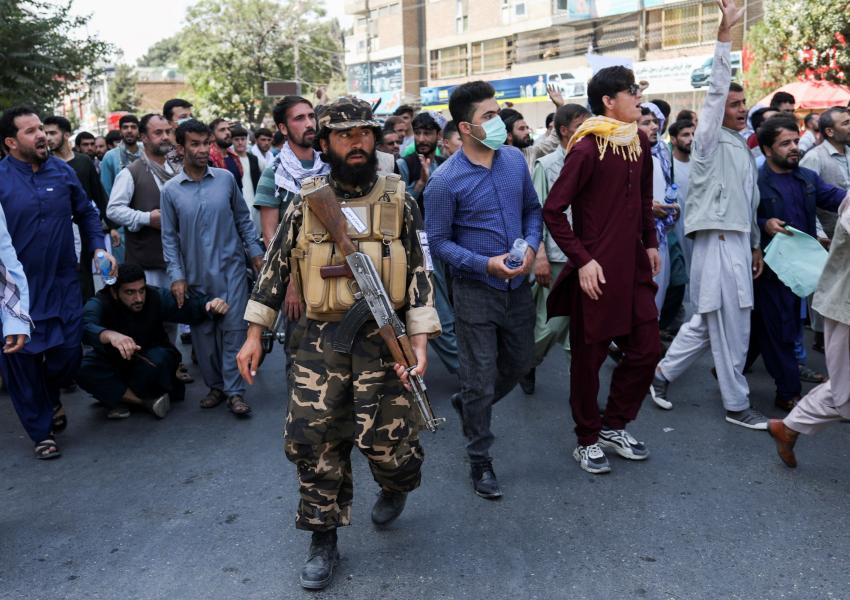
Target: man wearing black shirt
[{"x": 133, "y": 361}]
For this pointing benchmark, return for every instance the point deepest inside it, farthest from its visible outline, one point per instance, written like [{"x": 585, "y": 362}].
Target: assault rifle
[{"x": 371, "y": 298}]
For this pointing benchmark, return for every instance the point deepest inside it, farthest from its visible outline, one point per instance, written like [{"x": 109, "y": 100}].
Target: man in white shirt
[
  {"x": 252, "y": 168},
  {"x": 262, "y": 147},
  {"x": 682, "y": 139}
]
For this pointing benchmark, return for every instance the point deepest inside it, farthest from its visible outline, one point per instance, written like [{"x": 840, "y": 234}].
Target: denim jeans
[{"x": 495, "y": 332}]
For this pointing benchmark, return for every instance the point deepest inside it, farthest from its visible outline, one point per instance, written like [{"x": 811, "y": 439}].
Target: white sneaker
[
  {"x": 658, "y": 392},
  {"x": 592, "y": 459},
  {"x": 623, "y": 443}
]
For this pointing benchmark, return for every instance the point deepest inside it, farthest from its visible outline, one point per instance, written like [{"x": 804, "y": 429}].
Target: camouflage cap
[{"x": 344, "y": 113}]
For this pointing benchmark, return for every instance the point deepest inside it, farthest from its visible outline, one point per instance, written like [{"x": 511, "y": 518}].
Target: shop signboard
[{"x": 518, "y": 90}]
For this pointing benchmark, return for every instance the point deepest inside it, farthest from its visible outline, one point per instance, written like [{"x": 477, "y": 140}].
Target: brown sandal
[
  {"x": 47, "y": 449},
  {"x": 238, "y": 406},
  {"x": 212, "y": 399}
]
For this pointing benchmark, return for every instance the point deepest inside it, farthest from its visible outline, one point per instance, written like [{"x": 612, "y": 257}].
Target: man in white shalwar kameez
[{"x": 720, "y": 216}]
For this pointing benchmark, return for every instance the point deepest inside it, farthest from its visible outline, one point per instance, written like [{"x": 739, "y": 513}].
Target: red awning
[{"x": 813, "y": 95}]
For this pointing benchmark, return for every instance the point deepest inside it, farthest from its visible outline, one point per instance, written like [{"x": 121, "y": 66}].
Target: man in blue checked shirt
[{"x": 478, "y": 202}]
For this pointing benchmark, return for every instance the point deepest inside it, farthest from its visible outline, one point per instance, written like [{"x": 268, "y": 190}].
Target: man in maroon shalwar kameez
[{"x": 607, "y": 286}]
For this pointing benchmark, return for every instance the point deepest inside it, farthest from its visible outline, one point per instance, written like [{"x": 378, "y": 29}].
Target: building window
[
  {"x": 560, "y": 6},
  {"x": 513, "y": 9},
  {"x": 491, "y": 55},
  {"x": 449, "y": 62},
  {"x": 461, "y": 16},
  {"x": 688, "y": 25}
]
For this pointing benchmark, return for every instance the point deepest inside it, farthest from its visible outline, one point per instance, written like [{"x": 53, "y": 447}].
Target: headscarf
[{"x": 288, "y": 170}]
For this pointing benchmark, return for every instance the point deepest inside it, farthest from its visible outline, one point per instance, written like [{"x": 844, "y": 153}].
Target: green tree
[
  {"x": 43, "y": 54},
  {"x": 163, "y": 53},
  {"x": 230, "y": 47},
  {"x": 798, "y": 39},
  {"x": 122, "y": 89}
]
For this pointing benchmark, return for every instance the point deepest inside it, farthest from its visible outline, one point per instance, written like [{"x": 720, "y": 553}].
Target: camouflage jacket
[{"x": 269, "y": 291}]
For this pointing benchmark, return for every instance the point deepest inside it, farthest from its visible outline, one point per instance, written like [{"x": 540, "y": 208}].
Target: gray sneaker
[
  {"x": 592, "y": 459},
  {"x": 622, "y": 442},
  {"x": 159, "y": 407},
  {"x": 119, "y": 412},
  {"x": 658, "y": 392},
  {"x": 747, "y": 418}
]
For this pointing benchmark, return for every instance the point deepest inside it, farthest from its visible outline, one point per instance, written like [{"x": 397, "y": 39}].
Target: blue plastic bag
[{"x": 798, "y": 260}]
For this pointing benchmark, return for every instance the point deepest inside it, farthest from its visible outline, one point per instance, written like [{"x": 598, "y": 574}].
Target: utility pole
[
  {"x": 368, "y": 49},
  {"x": 296, "y": 50},
  {"x": 296, "y": 58}
]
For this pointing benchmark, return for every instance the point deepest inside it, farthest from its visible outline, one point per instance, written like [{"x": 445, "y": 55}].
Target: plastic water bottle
[
  {"x": 105, "y": 267},
  {"x": 672, "y": 194},
  {"x": 517, "y": 254}
]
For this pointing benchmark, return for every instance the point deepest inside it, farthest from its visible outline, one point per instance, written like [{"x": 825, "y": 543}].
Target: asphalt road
[{"x": 201, "y": 506}]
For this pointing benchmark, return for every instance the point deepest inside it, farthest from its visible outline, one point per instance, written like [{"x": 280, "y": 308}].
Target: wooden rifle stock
[{"x": 325, "y": 206}]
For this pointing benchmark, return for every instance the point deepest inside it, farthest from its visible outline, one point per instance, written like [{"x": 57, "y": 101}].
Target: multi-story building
[
  {"x": 521, "y": 46},
  {"x": 385, "y": 54}
]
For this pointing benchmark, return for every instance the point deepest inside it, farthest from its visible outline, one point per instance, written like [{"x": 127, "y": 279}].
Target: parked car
[
  {"x": 701, "y": 75},
  {"x": 568, "y": 84}
]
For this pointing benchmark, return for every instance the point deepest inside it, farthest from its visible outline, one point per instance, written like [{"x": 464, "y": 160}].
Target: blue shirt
[
  {"x": 110, "y": 166},
  {"x": 40, "y": 207},
  {"x": 473, "y": 213}
]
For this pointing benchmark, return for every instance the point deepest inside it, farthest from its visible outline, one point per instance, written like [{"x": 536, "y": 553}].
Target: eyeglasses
[{"x": 633, "y": 89}]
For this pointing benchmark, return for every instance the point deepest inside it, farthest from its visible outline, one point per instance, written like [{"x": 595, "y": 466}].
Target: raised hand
[
  {"x": 731, "y": 13},
  {"x": 555, "y": 94}
]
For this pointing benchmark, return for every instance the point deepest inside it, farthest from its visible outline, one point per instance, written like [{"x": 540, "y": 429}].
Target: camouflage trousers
[{"x": 339, "y": 400}]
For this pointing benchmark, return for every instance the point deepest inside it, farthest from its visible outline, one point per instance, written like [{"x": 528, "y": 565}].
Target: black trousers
[{"x": 107, "y": 378}]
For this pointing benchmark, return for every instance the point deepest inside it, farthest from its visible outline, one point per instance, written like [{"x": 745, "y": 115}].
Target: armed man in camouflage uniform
[{"x": 338, "y": 400}]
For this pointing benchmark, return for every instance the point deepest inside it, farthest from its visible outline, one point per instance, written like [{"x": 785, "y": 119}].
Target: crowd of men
[{"x": 644, "y": 237}]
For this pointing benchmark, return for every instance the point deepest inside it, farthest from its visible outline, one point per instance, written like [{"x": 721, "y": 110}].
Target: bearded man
[{"x": 337, "y": 400}]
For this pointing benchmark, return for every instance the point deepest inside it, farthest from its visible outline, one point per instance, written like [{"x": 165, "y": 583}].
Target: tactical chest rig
[{"x": 374, "y": 224}]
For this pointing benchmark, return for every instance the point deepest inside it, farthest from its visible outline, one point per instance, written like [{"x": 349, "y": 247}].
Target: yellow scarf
[{"x": 621, "y": 137}]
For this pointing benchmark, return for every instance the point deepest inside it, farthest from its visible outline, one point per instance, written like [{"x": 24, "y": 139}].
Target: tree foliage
[
  {"x": 230, "y": 47},
  {"x": 122, "y": 90},
  {"x": 799, "y": 39},
  {"x": 43, "y": 55},
  {"x": 165, "y": 52}
]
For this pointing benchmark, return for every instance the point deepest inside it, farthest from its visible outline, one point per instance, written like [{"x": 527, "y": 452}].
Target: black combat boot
[
  {"x": 484, "y": 481},
  {"x": 318, "y": 571},
  {"x": 388, "y": 507}
]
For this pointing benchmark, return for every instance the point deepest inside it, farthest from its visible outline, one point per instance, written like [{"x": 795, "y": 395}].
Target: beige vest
[{"x": 374, "y": 225}]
